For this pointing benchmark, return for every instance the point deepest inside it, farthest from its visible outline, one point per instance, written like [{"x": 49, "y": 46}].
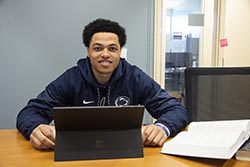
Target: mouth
[{"x": 105, "y": 62}]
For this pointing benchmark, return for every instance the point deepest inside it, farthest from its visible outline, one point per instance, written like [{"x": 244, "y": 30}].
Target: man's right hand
[{"x": 43, "y": 137}]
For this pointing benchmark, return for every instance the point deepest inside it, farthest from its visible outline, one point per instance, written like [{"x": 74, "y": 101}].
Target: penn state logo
[{"x": 122, "y": 101}]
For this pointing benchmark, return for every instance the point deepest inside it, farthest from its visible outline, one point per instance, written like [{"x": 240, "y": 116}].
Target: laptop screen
[
  {"x": 99, "y": 132},
  {"x": 98, "y": 117}
]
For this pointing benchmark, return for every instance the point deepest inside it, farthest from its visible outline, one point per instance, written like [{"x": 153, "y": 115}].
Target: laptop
[{"x": 98, "y": 132}]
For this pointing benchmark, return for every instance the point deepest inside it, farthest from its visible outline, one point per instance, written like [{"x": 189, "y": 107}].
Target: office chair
[{"x": 217, "y": 93}]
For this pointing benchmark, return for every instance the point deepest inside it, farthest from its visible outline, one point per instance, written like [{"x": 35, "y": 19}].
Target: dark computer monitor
[{"x": 217, "y": 93}]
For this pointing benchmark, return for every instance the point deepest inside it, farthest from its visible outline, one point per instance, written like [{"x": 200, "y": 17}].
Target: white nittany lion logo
[{"x": 122, "y": 101}]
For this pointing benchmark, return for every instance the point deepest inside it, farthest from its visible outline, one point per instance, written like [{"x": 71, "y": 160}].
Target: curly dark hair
[{"x": 103, "y": 25}]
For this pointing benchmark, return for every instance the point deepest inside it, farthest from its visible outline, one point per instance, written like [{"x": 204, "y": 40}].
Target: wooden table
[{"x": 18, "y": 152}]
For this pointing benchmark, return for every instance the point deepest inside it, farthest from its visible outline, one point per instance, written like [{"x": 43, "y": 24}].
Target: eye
[
  {"x": 113, "y": 49},
  {"x": 97, "y": 49}
]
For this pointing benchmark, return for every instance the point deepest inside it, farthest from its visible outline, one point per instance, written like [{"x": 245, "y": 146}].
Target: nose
[{"x": 105, "y": 52}]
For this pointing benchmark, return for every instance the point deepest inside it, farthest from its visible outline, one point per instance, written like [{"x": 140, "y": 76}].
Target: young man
[{"x": 103, "y": 78}]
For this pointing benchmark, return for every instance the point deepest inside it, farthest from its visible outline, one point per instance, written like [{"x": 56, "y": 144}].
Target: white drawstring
[{"x": 102, "y": 102}]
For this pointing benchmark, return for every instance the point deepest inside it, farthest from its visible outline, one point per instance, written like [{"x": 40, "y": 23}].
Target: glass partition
[{"x": 184, "y": 22}]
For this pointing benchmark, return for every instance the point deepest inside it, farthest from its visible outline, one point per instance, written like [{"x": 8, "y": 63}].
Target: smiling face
[{"x": 104, "y": 53}]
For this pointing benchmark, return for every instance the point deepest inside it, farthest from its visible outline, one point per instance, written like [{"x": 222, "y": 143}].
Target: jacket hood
[{"x": 88, "y": 75}]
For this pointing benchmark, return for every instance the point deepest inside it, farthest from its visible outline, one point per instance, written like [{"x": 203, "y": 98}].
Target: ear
[{"x": 88, "y": 51}]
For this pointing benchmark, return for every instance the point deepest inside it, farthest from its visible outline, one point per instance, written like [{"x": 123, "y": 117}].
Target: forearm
[
  {"x": 31, "y": 116},
  {"x": 168, "y": 111},
  {"x": 175, "y": 119}
]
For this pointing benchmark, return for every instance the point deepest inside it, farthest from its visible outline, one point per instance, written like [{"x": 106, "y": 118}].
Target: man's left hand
[{"x": 153, "y": 135}]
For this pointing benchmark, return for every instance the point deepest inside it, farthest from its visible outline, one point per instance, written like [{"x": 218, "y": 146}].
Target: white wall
[
  {"x": 40, "y": 39},
  {"x": 236, "y": 29},
  {"x": 206, "y": 47}
]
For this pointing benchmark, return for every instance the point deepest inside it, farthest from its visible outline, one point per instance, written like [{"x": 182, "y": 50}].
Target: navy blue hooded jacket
[{"x": 128, "y": 85}]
